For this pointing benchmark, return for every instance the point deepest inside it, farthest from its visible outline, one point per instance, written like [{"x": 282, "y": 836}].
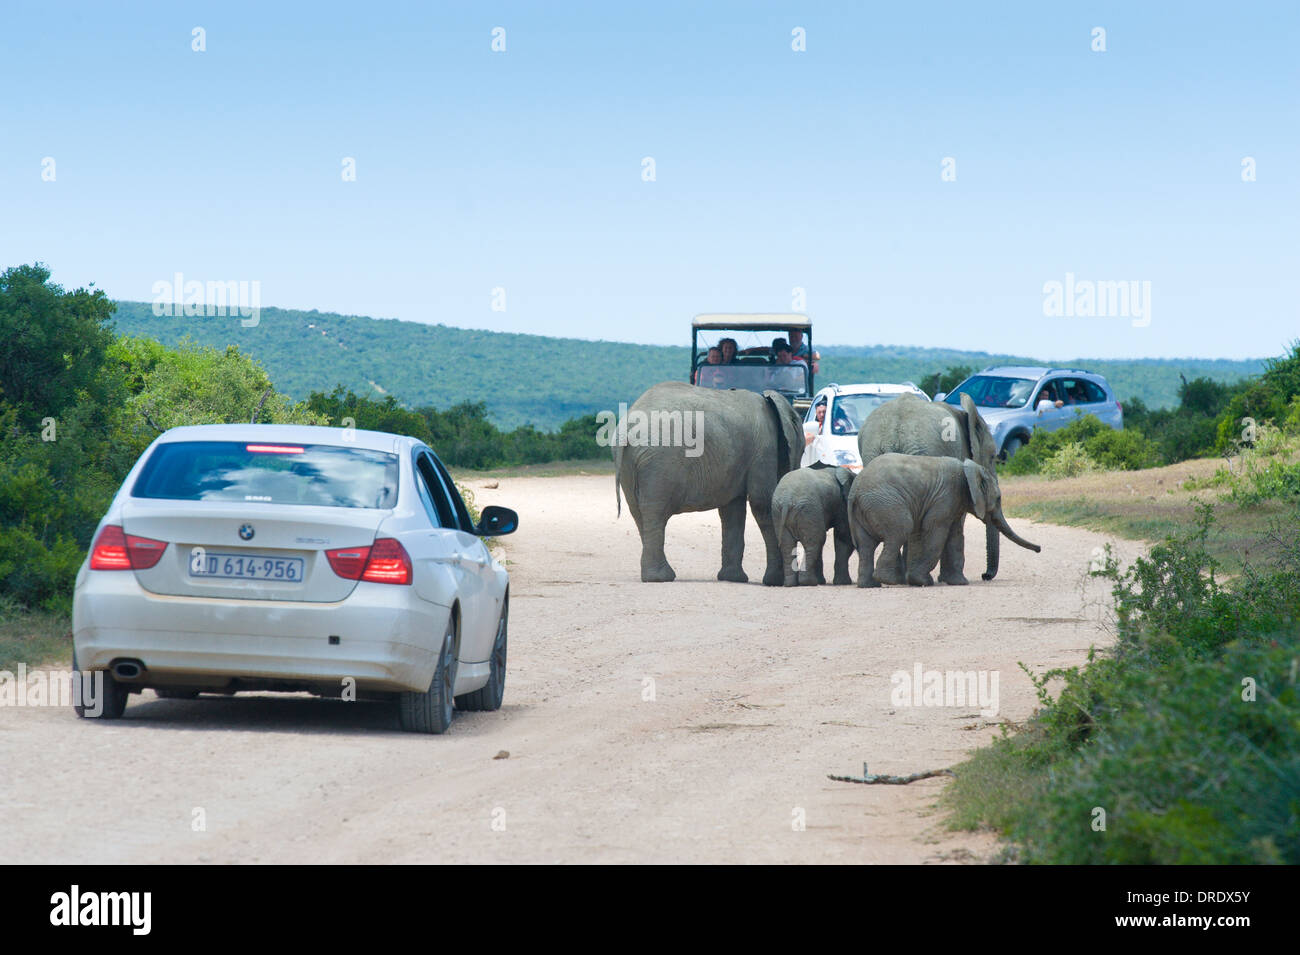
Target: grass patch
[
  {"x": 33, "y": 637},
  {"x": 1150, "y": 505}
]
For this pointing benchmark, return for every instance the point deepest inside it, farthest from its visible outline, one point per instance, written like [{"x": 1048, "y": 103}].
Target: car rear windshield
[
  {"x": 851, "y": 410},
  {"x": 993, "y": 391},
  {"x": 269, "y": 473}
]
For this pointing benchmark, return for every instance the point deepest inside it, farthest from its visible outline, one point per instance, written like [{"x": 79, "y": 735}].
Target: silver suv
[{"x": 1015, "y": 399}]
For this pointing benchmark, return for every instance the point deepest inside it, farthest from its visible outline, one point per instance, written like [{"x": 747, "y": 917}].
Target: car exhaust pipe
[{"x": 126, "y": 669}]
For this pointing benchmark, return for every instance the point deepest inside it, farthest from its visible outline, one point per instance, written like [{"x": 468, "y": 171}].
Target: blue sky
[{"x": 774, "y": 169}]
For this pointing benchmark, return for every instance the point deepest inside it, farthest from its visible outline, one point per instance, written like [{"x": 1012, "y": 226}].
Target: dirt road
[{"x": 686, "y": 722}]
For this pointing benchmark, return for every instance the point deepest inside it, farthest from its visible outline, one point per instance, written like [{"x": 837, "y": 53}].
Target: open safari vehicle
[{"x": 753, "y": 366}]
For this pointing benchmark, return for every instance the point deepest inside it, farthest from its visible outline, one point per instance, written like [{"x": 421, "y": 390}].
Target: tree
[
  {"x": 946, "y": 380},
  {"x": 54, "y": 341}
]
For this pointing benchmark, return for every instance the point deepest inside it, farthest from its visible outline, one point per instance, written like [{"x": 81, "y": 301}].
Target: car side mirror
[
  {"x": 497, "y": 521},
  {"x": 939, "y": 396}
]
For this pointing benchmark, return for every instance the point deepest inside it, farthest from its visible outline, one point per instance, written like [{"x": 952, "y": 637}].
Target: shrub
[
  {"x": 1102, "y": 446},
  {"x": 1271, "y": 397},
  {"x": 1186, "y": 732},
  {"x": 1069, "y": 460}
]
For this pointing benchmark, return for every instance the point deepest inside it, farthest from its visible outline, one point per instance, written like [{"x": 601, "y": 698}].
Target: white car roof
[
  {"x": 875, "y": 389},
  {"x": 291, "y": 433}
]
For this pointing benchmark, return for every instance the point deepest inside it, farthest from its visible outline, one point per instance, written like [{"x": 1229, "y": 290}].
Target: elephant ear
[
  {"x": 789, "y": 432},
  {"x": 976, "y": 480},
  {"x": 982, "y": 446}
]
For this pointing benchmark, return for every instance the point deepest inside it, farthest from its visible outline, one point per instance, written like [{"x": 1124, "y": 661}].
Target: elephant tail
[{"x": 618, "y": 467}]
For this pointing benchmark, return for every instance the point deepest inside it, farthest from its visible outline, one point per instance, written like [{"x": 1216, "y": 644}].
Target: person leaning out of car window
[
  {"x": 1049, "y": 398},
  {"x": 813, "y": 428}
]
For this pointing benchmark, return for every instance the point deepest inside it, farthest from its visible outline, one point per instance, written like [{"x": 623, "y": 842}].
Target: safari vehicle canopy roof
[{"x": 757, "y": 322}]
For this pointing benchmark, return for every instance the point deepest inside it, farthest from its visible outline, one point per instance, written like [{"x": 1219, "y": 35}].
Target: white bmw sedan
[{"x": 294, "y": 558}]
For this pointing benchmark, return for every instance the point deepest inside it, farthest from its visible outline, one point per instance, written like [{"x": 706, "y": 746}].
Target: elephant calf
[
  {"x": 805, "y": 505},
  {"x": 921, "y": 501}
]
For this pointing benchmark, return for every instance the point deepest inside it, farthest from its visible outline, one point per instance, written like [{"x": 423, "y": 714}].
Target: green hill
[{"x": 545, "y": 381}]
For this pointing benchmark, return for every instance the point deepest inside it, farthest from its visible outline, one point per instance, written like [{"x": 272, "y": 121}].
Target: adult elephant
[
  {"x": 912, "y": 425},
  {"x": 738, "y": 445}
]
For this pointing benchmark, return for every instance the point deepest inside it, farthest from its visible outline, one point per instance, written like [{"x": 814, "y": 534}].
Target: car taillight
[
  {"x": 348, "y": 562},
  {"x": 383, "y": 562},
  {"x": 1119, "y": 405},
  {"x": 115, "y": 550},
  {"x": 389, "y": 563}
]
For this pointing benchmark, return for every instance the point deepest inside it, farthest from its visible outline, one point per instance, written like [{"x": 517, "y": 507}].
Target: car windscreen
[
  {"x": 791, "y": 379},
  {"x": 269, "y": 473},
  {"x": 993, "y": 391},
  {"x": 851, "y": 410}
]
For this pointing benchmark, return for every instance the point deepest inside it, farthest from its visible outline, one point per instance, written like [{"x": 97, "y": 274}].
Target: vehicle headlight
[{"x": 846, "y": 458}]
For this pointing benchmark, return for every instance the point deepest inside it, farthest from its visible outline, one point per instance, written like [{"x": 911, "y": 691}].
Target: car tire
[
  {"x": 114, "y": 693},
  {"x": 167, "y": 694},
  {"x": 430, "y": 711},
  {"x": 490, "y": 695},
  {"x": 1011, "y": 447}
]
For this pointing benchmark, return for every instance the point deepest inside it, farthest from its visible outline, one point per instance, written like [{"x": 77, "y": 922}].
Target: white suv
[{"x": 1015, "y": 399}]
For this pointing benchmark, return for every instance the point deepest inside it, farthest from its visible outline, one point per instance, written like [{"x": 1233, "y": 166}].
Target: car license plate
[{"x": 246, "y": 567}]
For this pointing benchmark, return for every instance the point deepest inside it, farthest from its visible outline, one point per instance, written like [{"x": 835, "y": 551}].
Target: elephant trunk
[
  {"x": 992, "y": 550},
  {"x": 1012, "y": 536}
]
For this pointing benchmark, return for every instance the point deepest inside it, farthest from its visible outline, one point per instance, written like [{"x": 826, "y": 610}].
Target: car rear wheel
[
  {"x": 430, "y": 711},
  {"x": 490, "y": 695},
  {"x": 105, "y": 703}
]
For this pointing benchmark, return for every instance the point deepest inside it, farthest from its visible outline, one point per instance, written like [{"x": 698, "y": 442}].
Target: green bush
[
  {"x": 1191, "y": 430},
  {"x": 1069, "y": 460},
  {"x": 1187, "y": 771},
  {"x": 1262, "y": 472},
  {"x": 1271, "y": 397},
  {"x": 1186, "y": 732},
  {"x": 1101, "y": 446}
]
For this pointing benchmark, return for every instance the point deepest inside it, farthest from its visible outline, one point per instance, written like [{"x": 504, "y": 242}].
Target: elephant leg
[
  {"x": 865, "y": 544},
  {"x": 774, "y": 576},
  {"x": 889, "y": 566},
  {"x": 843, "y": 548},
  {"x": 733, "y": 541},
  {"x": 953, "y": 560},
  {"x": 788, "y": 553},
  {"x": 924, "y": 548},
  {"x": 654, "y": 563},
  {"x": 814, "y": 543}
]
